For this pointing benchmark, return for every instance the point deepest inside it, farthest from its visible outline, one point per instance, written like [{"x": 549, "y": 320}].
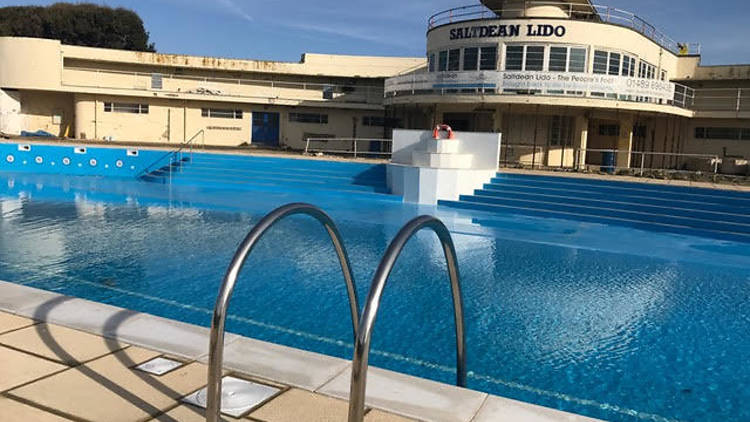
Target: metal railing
[
  {"x": 175, "y": 156},
  {"x": 593, "y": 13},
  {"x": 216, "y": 344},
  {"x": 722, "y": 99},
  {"x": 349, "y": 146},
  {"x": 669, "y": 161},
  {"x": 219, "y": 86},
  {"x": 369, "y": 314}
]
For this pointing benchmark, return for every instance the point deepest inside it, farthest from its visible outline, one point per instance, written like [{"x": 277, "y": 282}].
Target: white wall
[{"x": 11, "y": 119}]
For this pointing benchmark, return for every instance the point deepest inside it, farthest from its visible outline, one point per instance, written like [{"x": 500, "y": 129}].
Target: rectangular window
[
  {"x": 727, "y": 133},
  {"x": 432, "y": 62},
  {"x": 534, "y": 58},
  {"x": 614, "y": 64},
  {"x": 514, "y": 57},
  {"x": 221, "y": 113},
  {"x": 308, "y": 118},
  {"x": 600, "y": 62},
  {"x": 609, "y": 130},
  {"x": 471, "y": 58},
  {"x": 488, "y": 58},
  {"x": 126, "y": 108},
  {"x": 626, "y": 69},
  {"x": 560, "y": 131},
  {"x": 558, "y": 59},
  {"x": 700, "y": 133},
  {"x": 373, "y": 121},
  {"x": 454, "y": 60},
  {"x": 577, "y": 61},
  {"x": 443, "y": 61}
]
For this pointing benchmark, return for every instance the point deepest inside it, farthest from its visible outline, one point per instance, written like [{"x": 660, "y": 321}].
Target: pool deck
[{"x": 69, "y": 359}]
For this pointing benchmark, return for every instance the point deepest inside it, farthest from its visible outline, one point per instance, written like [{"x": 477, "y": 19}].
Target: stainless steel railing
[
  {"x": 574, "y": 11},
  {"x": 370, "y": 312},
  {"x": 176, "y": 155},
  {"x": 216, "y": 345},
  {"x": 349, "y": 146}
]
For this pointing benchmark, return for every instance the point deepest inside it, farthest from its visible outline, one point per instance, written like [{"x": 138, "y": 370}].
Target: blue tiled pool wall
[{"x": 78, "y": 160}]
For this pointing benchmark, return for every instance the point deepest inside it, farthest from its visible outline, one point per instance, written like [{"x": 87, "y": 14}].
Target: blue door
[{"x": 266, "y": 128}]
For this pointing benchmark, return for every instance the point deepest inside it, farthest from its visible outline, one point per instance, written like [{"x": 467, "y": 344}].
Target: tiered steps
[
  {"x": 699, "y": 211},
  {"x": 243, "y": 172}
]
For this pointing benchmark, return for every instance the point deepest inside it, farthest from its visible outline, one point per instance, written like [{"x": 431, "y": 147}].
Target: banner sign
[{"x": 552, "y": 82}]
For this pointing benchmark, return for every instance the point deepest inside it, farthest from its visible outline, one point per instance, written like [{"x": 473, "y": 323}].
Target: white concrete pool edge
[{"x": 389, "y": 391}]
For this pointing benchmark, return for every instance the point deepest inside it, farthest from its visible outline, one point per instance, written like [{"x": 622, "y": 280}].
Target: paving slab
[
  {"x": 10, "y": 322},
  {"x": 14, "y": 297},
  {"x": 411, "y": 396},
  {"x": 188, "y": 413},
  {"x": 13, "y": 411},
  {"x": 61, "y": 344},
  {"x": 92, "y": 317},
  {"x": 380, "y": 416},
  {"x": 107, "y": 389},
  {"x": 174, "y": 337},
  {"x": 17, "y": 368},
  {"x": 500, "y": 409},
  {"x": 299, "y": 405},
  {"x": 282, "y": 364}
]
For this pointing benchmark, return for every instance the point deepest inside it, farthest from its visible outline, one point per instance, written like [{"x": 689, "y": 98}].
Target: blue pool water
[{"x": 610, "y": 322}]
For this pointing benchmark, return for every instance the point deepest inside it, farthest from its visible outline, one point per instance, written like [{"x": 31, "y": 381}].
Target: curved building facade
[{"x": 566, "y": 83}]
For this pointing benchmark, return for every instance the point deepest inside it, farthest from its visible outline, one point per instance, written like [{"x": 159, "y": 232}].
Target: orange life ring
[{"x": 442, "y": 128}]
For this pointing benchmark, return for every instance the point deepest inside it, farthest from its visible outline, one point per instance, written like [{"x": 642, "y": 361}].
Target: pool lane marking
[{"x": 389, "y": 355}]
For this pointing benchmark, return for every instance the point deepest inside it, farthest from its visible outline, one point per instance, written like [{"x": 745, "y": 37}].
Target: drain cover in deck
[
  {"x": 238, "y": 396},
  {"x": 159, "y": 366}
]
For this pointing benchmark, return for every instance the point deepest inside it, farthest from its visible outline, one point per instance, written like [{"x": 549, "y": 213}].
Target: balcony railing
[
  {"x": 592, "y": 13},
  {"x": 222, "y": 87},
  {"x": 735, "y": 100},
  {"x": 617, "y": 88}
]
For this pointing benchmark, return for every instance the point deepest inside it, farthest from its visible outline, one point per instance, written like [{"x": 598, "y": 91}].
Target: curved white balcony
[{"x": 616, "y": 88}]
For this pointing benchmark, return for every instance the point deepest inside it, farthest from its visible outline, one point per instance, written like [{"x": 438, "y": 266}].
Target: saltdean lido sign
[
  {"x": 548, "y": 82},
  {"x": 507, "y": 31}
]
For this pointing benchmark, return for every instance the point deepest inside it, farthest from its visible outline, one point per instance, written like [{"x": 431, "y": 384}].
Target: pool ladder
[{"x": 361, "y": 325}]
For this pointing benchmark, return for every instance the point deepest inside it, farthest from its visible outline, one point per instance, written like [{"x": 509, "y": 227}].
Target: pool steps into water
[
  {"x": 252, "y": 172},
  {"x": 714, "y": 213}
]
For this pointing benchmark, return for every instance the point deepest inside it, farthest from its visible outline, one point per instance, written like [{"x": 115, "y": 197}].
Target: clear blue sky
[{"x": 283, "y": 29}]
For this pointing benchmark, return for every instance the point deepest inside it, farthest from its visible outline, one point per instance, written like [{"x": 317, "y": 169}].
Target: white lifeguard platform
[{"x": 424, "y": 170}]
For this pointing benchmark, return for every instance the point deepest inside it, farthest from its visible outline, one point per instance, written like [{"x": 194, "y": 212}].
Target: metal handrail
[
  {"x": 216, "y": 345},
  {"x": 367, "y": 320},
  {"x": 174, "y": 153},
  {"x": 353, "y": 150}
]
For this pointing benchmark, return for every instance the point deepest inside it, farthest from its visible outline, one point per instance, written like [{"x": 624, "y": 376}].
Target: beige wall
[
  {"x": 30, "y": 63},
  {"x": 52, "y": 112}
]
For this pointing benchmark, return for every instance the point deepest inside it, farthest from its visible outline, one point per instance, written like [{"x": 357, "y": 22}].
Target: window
[
  {"x": 723, "y": 133},
  {"x": 560, "y": 131},
  {"x": 558, "y": 59},
  {"x": 614, "y": 64},
  {"x": 126, "y": 108},
  {"x": 567, "y": 59},
  {"x": 308, "y": 118},
  {"x": 156, "y": 81},
  {"x": 628, "y": 66},
  {"x": 646, "y": 70},
  {"x": 373, "y": 121},
  {"x": 219, "y": 113},
  {"x": 600, "y": 61},
  {"x": 609, "y": 130},
  {"x": 432, "y": 62},
  {"x": 534, "y": 58},
  {"x": 471, "y": 58},
  {"x": 529, "y": 57},
  {"x": 488, "y": 58},
  {"x": 514, "y": 57},
  {"x": 577, "y": 60},
  {"x": 443, "y": 61},
  {"x": 454, "y": 60}
]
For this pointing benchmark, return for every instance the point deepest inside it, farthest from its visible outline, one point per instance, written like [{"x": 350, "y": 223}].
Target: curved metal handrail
[
  {"x": 216, "y": 345},
  {"x": 370, "y": 312}
]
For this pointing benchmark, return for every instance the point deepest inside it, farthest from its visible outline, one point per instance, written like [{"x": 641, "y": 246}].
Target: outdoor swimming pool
[{"x": 606, "y": 321}]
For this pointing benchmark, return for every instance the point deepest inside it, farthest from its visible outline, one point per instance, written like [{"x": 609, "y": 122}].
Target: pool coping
[{"x": 390, "y": 391}]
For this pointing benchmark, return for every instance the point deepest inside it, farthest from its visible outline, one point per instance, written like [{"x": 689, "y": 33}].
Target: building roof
[{"x": 582, "y": 9}]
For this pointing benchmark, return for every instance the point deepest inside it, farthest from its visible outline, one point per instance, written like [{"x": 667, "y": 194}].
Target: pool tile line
[{"x": 398, "y": 404}]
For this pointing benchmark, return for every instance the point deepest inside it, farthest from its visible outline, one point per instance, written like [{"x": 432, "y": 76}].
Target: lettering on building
[{"x": 507, "y": 31}]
